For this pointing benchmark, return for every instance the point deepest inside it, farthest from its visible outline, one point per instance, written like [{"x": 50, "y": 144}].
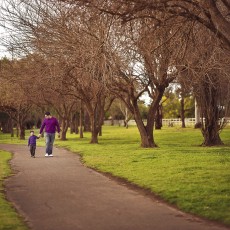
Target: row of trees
[{"x": 75, "y": 53}]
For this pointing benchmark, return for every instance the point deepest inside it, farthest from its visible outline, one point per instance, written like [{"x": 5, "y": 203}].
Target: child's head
[{"x": 31, "y": 133}]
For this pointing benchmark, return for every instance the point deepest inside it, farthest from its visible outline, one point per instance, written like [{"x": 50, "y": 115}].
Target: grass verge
[
  {"x": 10, "y": 220},
  {"x": 195, "y": 179}
]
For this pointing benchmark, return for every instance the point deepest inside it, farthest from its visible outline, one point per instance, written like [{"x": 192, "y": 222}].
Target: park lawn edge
[
  {"x": 122, "y": 180},
  {"x": 148, "y": 192},
  {"x": 10, "y": 217},
  {"x": 145, "y": 191},
  {"x": 85, "y": 158},
  {"x": 83, "y": 149}
]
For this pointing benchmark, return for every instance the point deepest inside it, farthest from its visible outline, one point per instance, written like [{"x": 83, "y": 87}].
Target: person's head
[
  {"x": 31, "y": 133},
  {"x": 47, "y": 115}
]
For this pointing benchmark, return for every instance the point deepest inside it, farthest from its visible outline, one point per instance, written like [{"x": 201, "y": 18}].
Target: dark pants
[{"x": 32, "y": 150}]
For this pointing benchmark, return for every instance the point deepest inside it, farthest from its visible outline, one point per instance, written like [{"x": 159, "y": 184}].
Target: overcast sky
[{"x": 3, "y": 51}]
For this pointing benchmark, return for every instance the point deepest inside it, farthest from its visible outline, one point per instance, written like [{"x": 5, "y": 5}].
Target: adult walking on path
[
  {"x": 62, "y": 194},
  {"x": 51, "y": 125}
]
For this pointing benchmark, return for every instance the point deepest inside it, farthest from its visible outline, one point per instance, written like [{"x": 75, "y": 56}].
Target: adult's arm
[{"x": 42, "y": 127}]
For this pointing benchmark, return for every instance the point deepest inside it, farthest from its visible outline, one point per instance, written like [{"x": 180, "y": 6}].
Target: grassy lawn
[
  {"x": 195, "y": 179},
  {"x": 9, "y": 219}
]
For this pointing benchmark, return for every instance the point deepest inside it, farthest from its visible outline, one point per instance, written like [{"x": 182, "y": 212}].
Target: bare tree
[
  {"x": 14, "y": 100},
  {"x": 211, "y": 14},
  {"x": 144, "y": 63},
  {"x": 69, "y": 38},
  {"x": 90, "y": 54},
  {"x": 207, "y": 73}
]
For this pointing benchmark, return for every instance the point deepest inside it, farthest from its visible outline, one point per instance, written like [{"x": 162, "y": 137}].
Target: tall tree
[
  {"x": 70, "y": 37},
  {"x": 207, "y": 72},
  {"x": 14, "y": 100},
  {"x": 144, "y": 64}
]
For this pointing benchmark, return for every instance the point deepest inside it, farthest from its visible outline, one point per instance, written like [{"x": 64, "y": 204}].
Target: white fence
[{"x": 189, "y": 122}]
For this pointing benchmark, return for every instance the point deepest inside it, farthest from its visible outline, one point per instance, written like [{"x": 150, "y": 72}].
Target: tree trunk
[
  {"x": 94, "y": 130},
  {"x": 94, "y": 137},
  {"x": 81, "y": 120},
  {"x": 11, "y": 127},
  {"x": 87, "y": 125},
  {"x": 65, "y": 125},
  {"x": 63, "y": 136},
  {"x": 39, "y": 122},
  {"x": 211, "y": 136},
  {"x": 182, "y": 112},
  {"x": 146, "y": 140},
  {"x": 96, "y": 114},
  {"x": 72, "y": 123},
  {"x": 20, "y": 127},
  {"x": 100, "y": 131},
  {"x": 17, "y": 131},
  {"x": 21, "y": 132},
  {"x": 152, "y": 111},
  {"x": 76, "y": 125},
  {"x": 126, "y": 125},
  {"x": 81, "y": 131},
  {"x": 7, "y": 125},
  {"x": 158, "y": 118},
  {"x": 210, "y": 128},
  {"x": 210, "y": 112},
  {"x": 146, "y": 133}
]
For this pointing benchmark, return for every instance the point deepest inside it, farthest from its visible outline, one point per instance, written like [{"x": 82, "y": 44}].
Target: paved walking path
[{"x": 60, "y": 193}]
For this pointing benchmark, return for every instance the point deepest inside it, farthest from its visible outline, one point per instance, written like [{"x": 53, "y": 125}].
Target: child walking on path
[{"x": 32, "y": 143}]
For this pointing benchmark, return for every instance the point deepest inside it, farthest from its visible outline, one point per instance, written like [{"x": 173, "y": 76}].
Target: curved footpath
[{"x": 60, "y": 193}]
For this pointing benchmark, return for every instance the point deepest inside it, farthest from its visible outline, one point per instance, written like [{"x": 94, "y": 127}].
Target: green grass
[
  {"x": 10, "y": 220},
  {"x": 195, "y": 179}
]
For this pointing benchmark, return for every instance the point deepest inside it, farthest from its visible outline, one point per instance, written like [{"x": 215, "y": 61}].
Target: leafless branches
[{"x": 83, "y": 50}]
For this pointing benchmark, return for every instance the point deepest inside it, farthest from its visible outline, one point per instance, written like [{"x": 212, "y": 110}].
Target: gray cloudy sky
[{"x": 3, "y": 51}]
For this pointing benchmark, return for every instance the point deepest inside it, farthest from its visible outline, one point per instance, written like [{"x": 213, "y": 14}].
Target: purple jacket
[
  {"x": 32, "y": 140},
  {"x": 50, "y": 125}
]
